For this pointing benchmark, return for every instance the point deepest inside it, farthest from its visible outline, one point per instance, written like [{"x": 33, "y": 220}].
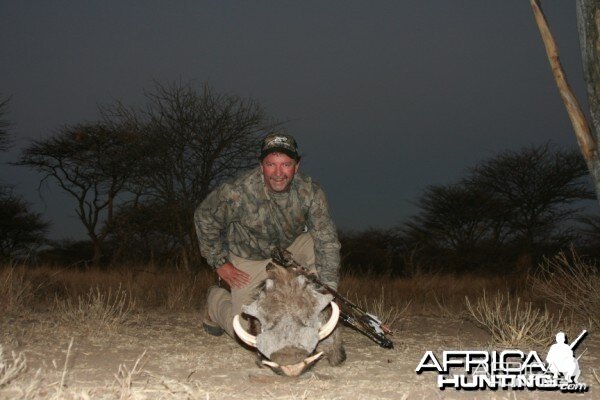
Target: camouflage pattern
[
  {"x": 279, "y": 142},
  {"x": 245, "y": 218}
]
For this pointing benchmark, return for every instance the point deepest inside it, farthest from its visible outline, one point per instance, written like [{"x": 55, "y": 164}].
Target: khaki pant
[{"x": 223, "y": 305}]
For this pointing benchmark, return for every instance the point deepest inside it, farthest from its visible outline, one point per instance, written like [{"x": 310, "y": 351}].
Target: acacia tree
[
  {"x": 516, "y": 201},
  {"x": 455, "y": 217},
  {"x": 371, "y": 251},
  {"x": 90, "y": 162},
  {"x": 143, "y": 233},
  {"x": 588, "y": 135},
  {"x": 453, "y": 224},
  {"x": 536, "y": 186},
  {"x": 192, "y": 140},
  {"x": 20, "y": 230}
]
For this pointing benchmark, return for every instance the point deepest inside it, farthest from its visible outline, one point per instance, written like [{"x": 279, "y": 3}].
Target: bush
[
  {"x": 106, "y": 309},
  {"x": 513, "y": 322},
  {"x": 572, "y": 284}
]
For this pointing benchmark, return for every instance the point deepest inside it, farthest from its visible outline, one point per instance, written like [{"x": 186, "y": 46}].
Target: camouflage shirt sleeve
[
  {"x": 211, "y": 219},
  {"x": 327, "y": 246}
]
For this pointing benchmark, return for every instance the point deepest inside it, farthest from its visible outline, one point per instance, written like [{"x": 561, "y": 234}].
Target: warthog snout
[{"x": 283, "y": 361}]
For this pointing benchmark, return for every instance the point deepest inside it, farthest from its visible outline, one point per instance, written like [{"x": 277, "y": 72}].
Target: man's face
[{"x": 278, "y": 170}]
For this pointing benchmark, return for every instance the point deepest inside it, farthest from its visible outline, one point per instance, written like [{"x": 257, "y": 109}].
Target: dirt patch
[{"x": 160, "y": 355}]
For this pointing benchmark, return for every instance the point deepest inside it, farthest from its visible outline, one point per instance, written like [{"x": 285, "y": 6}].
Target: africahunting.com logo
[{"x": 508, "y": 369}]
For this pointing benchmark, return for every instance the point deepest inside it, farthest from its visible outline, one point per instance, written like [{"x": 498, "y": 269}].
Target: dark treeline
[
  {"x": 511, "y": 209},
  {"x": 137, "y": 174},
  {"x": 504, "y": 216},
  {"x": 21, "y": 230}
]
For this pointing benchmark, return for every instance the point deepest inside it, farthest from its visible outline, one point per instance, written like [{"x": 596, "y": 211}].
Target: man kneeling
[{"x": 240, "y": 223}]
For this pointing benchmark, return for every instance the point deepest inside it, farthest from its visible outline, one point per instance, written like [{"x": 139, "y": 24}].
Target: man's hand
[{"x": 236, "y": 278}]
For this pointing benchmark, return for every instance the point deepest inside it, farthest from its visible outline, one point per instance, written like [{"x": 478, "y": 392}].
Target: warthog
[{"x": 296, "y": 326}]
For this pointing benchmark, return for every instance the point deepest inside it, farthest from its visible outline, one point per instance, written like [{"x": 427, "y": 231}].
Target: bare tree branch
[
  {"x": 192, "y": 140},
  {"x": 90, "y": 162}
]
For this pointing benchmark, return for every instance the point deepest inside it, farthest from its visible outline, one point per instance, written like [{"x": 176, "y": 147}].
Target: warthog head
[{"x": 289, "y": 311}]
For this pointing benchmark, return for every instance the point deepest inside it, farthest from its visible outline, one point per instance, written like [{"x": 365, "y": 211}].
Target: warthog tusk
[
  {"x": 312, "y": 359},
  {"x": 294, "y": 369},
  {"x": 325, "y": 330},
  {"x": 244, "y": 336},
  {"x": 270, "y": 363},
  {"x": 330, "y": 325}
]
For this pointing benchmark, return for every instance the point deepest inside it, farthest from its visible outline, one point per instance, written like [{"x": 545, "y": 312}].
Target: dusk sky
[{"x": 383, "y": 97}]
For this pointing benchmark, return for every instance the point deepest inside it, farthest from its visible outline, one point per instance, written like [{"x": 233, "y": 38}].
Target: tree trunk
[
  {"x": 97, "y": 246},
  {"x": 588, "y": 18},
  {"x": 118, "y": 254},
  {"x": 588, "y": 22}
]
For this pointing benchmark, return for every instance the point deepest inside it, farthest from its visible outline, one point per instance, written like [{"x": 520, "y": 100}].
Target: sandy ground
[{"x": 176, "y": 359}]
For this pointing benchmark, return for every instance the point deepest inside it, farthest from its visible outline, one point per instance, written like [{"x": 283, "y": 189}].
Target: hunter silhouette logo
[
  {"x": 508, "y": 369},
  {"x": 561, "y": 358}
]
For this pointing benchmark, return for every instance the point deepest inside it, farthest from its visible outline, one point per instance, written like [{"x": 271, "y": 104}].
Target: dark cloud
[{"x": 384, "y": 97}]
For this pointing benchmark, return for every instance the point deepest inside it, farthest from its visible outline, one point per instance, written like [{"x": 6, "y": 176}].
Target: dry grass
[
  {"x": 15, "y": 382},
  {"x": 125, "y": 377},
  {"x": 12, "y": 368},
  {"x": 82, "y": 295},
  {"x": 16, "y": 291},
  {"x": 97, "y": 309},
  {"x": 430, "y": 294},
  {"x": 14, "y": 379},
  {"x": 105, "y": 300},
  {"x": 184, "y": 295},
  {"x": 571, "y": 283},
  {"x": 36, "y": 288},
  {"x": 513, "y": 322},
  {"x": 389, "y": 314}
]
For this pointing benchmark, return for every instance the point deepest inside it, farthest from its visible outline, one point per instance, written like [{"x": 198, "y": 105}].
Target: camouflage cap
[{"x": 277, "y": 142}]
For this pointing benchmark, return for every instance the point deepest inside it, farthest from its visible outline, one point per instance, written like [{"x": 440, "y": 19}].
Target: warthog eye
[{"x": 300, "y": 320}]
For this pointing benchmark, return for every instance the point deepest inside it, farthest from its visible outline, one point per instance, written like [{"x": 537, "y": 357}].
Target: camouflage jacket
[{"x": 245, "y": 218}]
